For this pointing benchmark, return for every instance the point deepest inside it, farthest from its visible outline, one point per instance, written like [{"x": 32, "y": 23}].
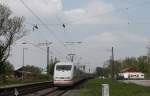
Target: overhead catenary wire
[
  {"x": 36, "y": 46},
  {"x": 117, "y": 10},
  {"x": 76, "y": 20},
  {"x": 40, "y": 20},
  {"x": 32, "y": 45},
  {"x": 59, "y": 52}
]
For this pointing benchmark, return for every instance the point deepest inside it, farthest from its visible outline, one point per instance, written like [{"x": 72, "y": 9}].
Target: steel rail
[
  {"x": 57, "y": 92},
  {"x": 24, "y": 89}
]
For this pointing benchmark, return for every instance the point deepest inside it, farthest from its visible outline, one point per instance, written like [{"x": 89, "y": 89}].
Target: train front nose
[
  {"x": 63, "y": 75},
  {"x": 63, "y": 81}
]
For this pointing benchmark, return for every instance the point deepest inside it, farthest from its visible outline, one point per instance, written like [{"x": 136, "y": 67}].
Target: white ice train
[{"x": 66, "y": 74}]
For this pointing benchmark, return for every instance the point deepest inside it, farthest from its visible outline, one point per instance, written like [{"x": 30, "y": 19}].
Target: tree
[
  {"x": 129, "y": 62},
  {"x": 7, "y": 69},
  {"x": 118, "y": 66},
  {"x": 142, "y": 64},
  {"x": 32, "y": 69},
  {"x": 107, "y": 68},
  {"x": 11, "y": 29},
  {"x": 50, "y": 67},
  {"x": 99, "y": 71}
]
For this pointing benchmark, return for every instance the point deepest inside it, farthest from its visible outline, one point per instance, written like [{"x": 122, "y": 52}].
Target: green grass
[{"x": 93, "y": 88}]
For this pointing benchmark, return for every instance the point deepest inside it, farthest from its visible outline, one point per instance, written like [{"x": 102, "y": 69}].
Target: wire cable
[{"x": 40, "y": 20}]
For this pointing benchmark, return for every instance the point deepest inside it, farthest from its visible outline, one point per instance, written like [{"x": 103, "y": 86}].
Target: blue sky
[{"x": 99, "y": 24}]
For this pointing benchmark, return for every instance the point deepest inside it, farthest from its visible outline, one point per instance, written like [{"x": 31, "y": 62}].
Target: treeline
[
  {"x": 28, "y": 73},
  {"x": 141, "y": 63}
]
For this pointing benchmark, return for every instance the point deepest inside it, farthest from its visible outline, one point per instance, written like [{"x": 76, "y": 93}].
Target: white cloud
[
  {"x": 110, "y": 37},
  {"x": 98, "y": 7},
  {"x": 92, "y": 13},
  {"x": 44, "y": 8}
]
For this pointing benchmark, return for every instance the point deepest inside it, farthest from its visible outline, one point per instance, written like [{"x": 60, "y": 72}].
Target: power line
[
  {"x": 40, "y": 20},
  {"x": 37, "y": 46},
  {"x": 79, "y": 20},
  {"x": 45, "y": 50},
  {"x": 57, "y": 51},
  {"x": 62, "y": 24},
  {"x": 49, "y": 24},
  {"x": 32, "y": 45}
]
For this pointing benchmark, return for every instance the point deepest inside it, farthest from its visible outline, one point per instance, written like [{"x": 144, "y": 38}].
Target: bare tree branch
[{"x": 11, "y": 29}]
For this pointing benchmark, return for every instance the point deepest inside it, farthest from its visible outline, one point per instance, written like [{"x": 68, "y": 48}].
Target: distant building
[{"x": 130, "y": 73}]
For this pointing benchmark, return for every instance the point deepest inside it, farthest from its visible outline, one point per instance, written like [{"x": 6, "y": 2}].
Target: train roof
[{"x": 65, "y": 63}]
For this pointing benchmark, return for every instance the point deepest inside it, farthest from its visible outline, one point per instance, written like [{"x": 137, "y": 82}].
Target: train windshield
[{"x": 63, "y": 67}]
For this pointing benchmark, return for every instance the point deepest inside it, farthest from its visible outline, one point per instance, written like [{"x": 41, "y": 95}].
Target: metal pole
[
  {"x": 47, "y": 46},
  {"x": 113, "y": 62},
  {"x": 148, "y": 55},
  {"x": 71, "y": 56},
  {"x": 23, "y": 58},
  {"x": 47, "y": 58},
  {"x": 23, "y": 64}
]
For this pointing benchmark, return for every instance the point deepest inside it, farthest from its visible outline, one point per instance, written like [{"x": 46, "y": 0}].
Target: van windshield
[{"x": 63, "y": 67}]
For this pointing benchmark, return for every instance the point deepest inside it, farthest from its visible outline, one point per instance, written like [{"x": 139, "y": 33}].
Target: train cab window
[{"x": 63, "y": 67}]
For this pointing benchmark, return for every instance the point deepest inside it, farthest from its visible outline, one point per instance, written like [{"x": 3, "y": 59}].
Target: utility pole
[
  {"x": 23, "y": 64},
  {"x": 71, "y": 57},
  {"x": 148, "y": 54},
  {"x": 23, "y": 60},
  {"x": 47, "y": 47},
  {"x": 112, "y": 63},
  {"x": 23, "y": 57},
  {"x": 47, "y": 57}
]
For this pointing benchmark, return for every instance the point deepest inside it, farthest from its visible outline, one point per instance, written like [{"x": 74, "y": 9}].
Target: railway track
[
  {"x": 65, "y": 91},
  {"x": 38, "y": 89},
  {"x": 23, "y": 89},
  {"x": 57, "y": 92}
]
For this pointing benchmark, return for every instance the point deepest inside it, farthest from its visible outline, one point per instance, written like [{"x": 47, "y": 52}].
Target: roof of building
[{"x": 129, "y": 69}]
